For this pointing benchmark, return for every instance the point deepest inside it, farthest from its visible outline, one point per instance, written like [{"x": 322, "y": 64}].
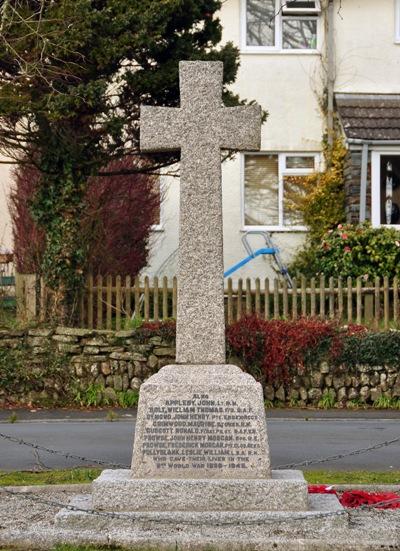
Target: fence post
[
  {"x": 303, "y": 296},
  {"x": 322, "y": 296},
  {"x": 266, "y": 299},
  {"x": 386, "y": 302},
  {"x": 165, "y": 298},
  {"x": 359, "y": 302},
  {"x": 340, "y": 299},
  {"x": 109, "y": 302},
  {"x": 26, "y": 296},
  {"x": 239, "y": 299},
  {"x": 377, "y": 302},
  {"x": 248, "y": 297},
  {"x": 137, "y": 297},
  {"x": 118, "y": 303},
  {"x": 313, "y": 298},
  {"x": 294, "y": 300},
  {"x": 258, "y": 297},
  {"x": 146, "y": 299},
  {"x": 276, "y": 298},
  {"x": 230, "y": 301},
  {"x": 395, "y": 300},
  {"x": 349, "y": 300},
  {"x": 128, "y": 299},
  {"x": 331, "y": 298},
  {"x": 43, "y": 301},
  {"x": 155, "y": 299},
  {"x": 99, "y": 320}
]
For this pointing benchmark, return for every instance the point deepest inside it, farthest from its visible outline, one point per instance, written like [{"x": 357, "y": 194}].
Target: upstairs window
[
  {"x": 397, "y": 21},
  {"x": 280, "y": 25}
]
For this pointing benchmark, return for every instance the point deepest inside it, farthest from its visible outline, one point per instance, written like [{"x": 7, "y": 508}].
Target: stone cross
[{"x": 200, "y": 128}]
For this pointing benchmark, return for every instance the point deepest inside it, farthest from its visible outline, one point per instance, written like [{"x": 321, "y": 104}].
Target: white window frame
[
  {"x": 163, "y": 189},
  {"x": 277, "y": 48},
  {"x": 282, "y": 171},
  {"x": 397, "y": 21},
  {"x": 376, "y": 186}
]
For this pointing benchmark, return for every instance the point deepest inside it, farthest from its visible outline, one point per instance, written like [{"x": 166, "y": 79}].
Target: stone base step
[
  {"x": 217, "y": 525},
  {"x": 116, "y": 490}
]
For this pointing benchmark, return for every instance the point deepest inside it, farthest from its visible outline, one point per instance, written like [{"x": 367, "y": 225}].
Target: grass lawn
[
  {"x": 84, "y": 475},
  {"x": 74, "y": 548}
]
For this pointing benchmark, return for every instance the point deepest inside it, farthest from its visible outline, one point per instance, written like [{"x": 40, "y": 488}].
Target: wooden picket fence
[{"x": 115, "y": 302}]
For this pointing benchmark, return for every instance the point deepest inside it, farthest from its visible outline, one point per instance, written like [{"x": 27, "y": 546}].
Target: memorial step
[
  {"x": 116, "y": 490},
  {"x": 193, "y": 527}
]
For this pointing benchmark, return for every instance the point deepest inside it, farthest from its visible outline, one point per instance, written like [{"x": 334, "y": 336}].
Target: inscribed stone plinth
[
  {"x": 201, "y": 422},
  {"x": 200, "y": 128}
]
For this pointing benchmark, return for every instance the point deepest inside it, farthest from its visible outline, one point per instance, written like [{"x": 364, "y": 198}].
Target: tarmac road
[{"x": 293, "y": 438}]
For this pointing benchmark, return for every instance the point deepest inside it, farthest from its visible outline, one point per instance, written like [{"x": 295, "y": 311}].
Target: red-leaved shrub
[
  {"x": 275, "y": 350},
  {"x": 119, "y": 213}
]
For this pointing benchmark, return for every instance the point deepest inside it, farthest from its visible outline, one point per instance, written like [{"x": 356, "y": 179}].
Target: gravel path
[{"x": 30, "y": 525}]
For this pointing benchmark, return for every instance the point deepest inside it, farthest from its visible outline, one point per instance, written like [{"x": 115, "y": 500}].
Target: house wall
[
  {"x": 5, "y": 222},
  {"x": 287, "y": 85},
  {"x": 367, "y": 55}
]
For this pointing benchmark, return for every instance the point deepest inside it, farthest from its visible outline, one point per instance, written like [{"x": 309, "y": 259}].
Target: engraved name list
[{"x": 201, "y": 433}]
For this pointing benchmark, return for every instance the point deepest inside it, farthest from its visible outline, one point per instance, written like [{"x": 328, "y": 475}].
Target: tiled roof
[{"x": 370, "y": 117}]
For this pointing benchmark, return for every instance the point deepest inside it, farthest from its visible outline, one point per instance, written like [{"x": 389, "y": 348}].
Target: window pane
[
  {"x": 293, "y": 190},
  {"x": 390, "y": 189},
  {"x": 261, "y": 185},
  {"x": 299, "y": 33},
  {"x": 298, "y": 4},
  {"x": 300, "y": 162},
  {"x": 260, "y": 19}
]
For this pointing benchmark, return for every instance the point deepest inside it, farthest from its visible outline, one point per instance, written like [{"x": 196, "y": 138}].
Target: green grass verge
[
  {"x": 63, "y": 476},
  {"x": 66, "y": 547},
  {"x": 85, "y": 475},
  {"x": 352, "y": 477}
]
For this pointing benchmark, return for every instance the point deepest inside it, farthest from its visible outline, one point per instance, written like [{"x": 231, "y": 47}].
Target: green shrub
[
  {"x": 352, "y": 251},
  {"x": 320, "y": 197},
  {"x": 19, "y": 374}
]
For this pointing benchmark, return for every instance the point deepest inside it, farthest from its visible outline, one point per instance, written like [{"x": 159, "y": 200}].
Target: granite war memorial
[{"x": 201, "y": 469}]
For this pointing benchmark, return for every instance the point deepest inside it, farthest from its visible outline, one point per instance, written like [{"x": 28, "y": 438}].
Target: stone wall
[
  {"x": 117, "y": 361},
  {"x": 364, "y": 384},
  {"x": 121, "y": 361}
]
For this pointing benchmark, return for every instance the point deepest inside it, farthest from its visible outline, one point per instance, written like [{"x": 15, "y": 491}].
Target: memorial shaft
[
  {"x": 200, "y": 128},
  {"x": 200, "y": 321}
]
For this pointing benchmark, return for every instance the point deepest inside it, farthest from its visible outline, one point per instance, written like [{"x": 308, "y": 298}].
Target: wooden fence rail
[{"x": 117, "y": 303}]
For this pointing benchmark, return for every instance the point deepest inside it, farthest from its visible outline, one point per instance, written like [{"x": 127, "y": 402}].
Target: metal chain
[
  {"x": 305, "y": 463},
  {"x": 160, "y": 519},
  {"x": 68, "y": 455},
  {"x": 339, "y": 455}
]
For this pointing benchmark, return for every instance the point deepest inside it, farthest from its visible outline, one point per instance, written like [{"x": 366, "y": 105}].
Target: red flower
[
  {"x": 357, "y": 498},
  {"x": 344, "y": 236},
  {"x": 347, "y": 250},
  {"x": 321, "y": 489}
]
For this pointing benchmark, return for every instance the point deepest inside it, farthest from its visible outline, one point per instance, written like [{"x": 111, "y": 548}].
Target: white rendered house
[{"x": 304, "y": 62}]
